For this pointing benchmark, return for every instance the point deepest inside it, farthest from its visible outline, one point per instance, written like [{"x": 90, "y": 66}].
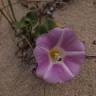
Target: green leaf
[
  {"x": 46, "y": 25},
  {"x": 41, "y": 29},
  {"x": 20, "y": 24},
  {"x": 32, "y": 17},
  {"x": 50, "y": 23},
  {"x": 29, "y": 20}
]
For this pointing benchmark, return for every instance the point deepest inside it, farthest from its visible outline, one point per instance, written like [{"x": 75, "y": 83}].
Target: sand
[{"x": 18, "y": 80}]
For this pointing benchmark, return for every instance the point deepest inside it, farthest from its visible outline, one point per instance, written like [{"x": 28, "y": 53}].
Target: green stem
[{"x": 11, "y": 8}]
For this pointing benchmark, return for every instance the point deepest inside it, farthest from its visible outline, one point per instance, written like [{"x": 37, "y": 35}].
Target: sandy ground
[{"x": 17, "y": 80}]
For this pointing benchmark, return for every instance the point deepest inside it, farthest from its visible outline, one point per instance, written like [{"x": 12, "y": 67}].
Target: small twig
[
  {"x": 12, "y": 11},
  {"x": 7, "y": 10},
  {"x": 35, "y": 27},
  {"x": 8, "y": 5},
  {"x": 44, "y": 90},
  {"x": 51, "y": 6},
  {"x": 8, "y": 20},
  {"x": 90, "y": 57},
  {"x": 6, "y": 17},
  {"x": 27, "y": 41}
]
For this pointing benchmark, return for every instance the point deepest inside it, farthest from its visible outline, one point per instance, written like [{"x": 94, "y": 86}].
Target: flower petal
[
  {"x": 78, "y": 59},
  {"x": 74, "y": 67},
  {"x": 41, "y": 55},
  {"x": 73, "y": 61},
  {"x": 70, "y": 42},
  {"x": 50, "y": 39},
  {"x": 58, "y": 74}
]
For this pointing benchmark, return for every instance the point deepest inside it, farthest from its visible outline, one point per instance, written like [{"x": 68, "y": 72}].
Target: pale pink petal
[
  {"x": 42, "y": 59},
  {"x": 58, "y": 74},
  {"x": 78, "y": 59},
  {"x": 70, "y": 41},
  {"x": 50, "y": 39},
  {"x": 74, "y": 67}
]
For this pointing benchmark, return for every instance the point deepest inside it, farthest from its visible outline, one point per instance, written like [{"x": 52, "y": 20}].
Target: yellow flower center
[{"x": 56, "y": 55}]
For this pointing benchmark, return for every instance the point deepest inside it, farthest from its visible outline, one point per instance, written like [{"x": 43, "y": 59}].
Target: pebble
[{"x": 94, "y": 42}]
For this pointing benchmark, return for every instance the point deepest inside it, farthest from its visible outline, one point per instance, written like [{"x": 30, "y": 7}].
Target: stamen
[{"x": 56, "y": 55}]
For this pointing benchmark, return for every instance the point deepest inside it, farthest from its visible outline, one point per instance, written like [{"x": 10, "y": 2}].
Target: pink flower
[{"x": 59, "y": 55}]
